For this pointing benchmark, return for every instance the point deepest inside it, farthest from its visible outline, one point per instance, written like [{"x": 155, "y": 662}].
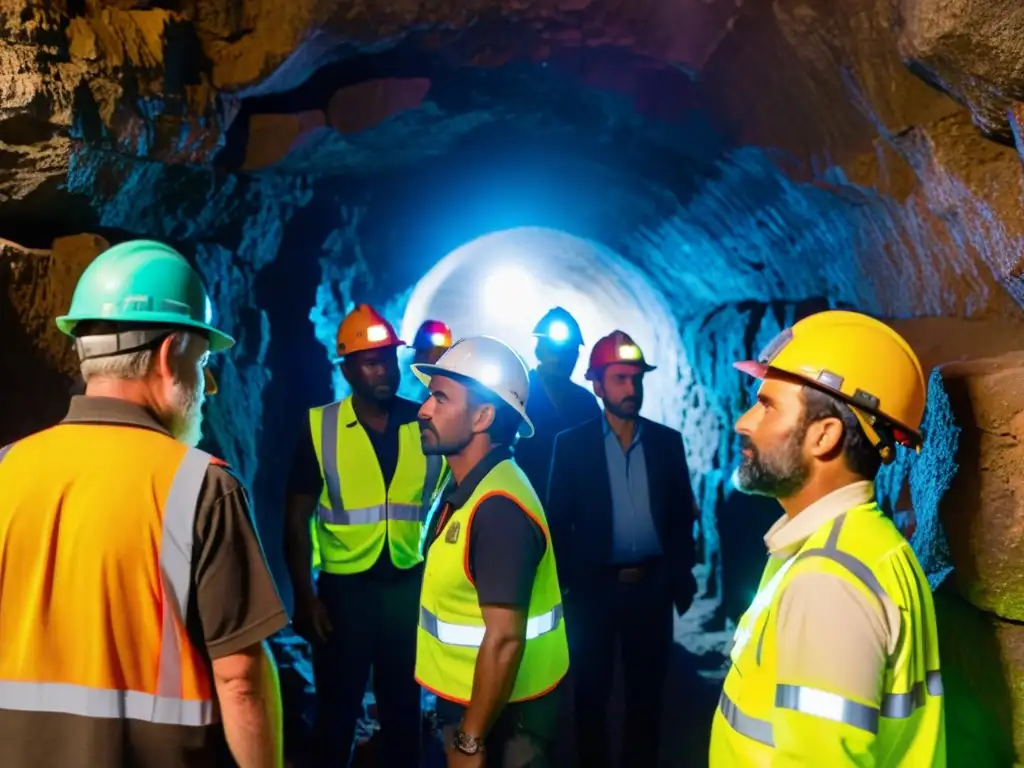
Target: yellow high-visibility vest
[
  {"x": 357, "y": 513},
  {"x": 451, "y": 625},
  {"x": 831, "y": 727}
]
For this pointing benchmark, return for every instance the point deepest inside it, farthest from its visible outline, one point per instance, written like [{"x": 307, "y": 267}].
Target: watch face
[{"x": 467, "y": 744}]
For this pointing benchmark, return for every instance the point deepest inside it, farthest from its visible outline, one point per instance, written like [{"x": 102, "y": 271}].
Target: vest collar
[
  {"x": 786, "y": 537},
  {"x": 458, "y": 495},
  {"x": 86, "y": 409}
]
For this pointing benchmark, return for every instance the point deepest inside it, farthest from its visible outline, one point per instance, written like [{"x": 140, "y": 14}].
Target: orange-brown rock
[
  {"x": 38, "y": 364},
  {"x": 983, "y": 511}
]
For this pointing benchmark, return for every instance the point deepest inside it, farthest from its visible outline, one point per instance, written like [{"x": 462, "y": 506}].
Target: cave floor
[{"x": 696, "y": 671}]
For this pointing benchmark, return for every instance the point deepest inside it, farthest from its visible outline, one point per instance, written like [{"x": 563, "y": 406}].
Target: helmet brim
[
  {"x": 752, "y": 368},
  {"x": 426, "y": 371},
  {"x": 219, "y": 341},
  {"x": 592, "y": 374}
]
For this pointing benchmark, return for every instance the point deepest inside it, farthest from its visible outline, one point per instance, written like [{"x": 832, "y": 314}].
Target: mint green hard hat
[{"x": 143, "y": 281}]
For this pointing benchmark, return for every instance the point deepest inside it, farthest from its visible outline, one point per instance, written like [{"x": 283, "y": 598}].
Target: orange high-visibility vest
[{"x": 96, "y": 527}]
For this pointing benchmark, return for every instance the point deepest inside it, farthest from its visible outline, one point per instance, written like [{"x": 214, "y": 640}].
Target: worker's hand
[
  {"x": 311, "y": 619},
  {"x": 458, "y": 759}
]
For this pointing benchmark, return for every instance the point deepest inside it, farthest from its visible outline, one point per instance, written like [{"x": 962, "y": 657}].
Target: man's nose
[{"x": 209, "y": 383}]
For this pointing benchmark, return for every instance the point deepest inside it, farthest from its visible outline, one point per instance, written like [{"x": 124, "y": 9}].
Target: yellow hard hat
[{"x": 863, "y": 362}]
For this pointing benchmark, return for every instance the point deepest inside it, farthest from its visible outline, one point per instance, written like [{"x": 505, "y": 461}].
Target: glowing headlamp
[
  {"x": 558, "y": 331},
  {"x": 438, "y": 339},
  {"x": 377, "y": 333},
  {"x": 629, "y": 352}
]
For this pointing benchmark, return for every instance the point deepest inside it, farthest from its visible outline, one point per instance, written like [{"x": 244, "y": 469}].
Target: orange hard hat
[
  {"x": 616, "y": 347},
  {"x": 365, "y": 328}
]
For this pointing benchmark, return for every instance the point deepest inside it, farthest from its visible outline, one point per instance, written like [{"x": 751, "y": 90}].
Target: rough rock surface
[
  {"x": 758, "y": 160},
  {"x": 981, "y": 512},
  {"x": 38, "y": 364}
]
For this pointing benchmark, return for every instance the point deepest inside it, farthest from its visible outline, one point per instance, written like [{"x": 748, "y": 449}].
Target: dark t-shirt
[
  {"x": 305, "y": 477},
  {"x": 233, "y": 605},
  {"x": 555, "y": 405},
  {"x": 505, "y": 548}
]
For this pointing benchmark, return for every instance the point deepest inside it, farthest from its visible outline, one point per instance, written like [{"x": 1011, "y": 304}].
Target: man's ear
[
  {"x": 345, "y": 367},
  {"x": 168, "y": 356},
  {"x": 483, "y": 418},
  {"x": 825, "y": 437}
]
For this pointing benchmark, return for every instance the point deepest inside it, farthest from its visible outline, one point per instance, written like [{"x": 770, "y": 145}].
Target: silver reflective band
[
  {"x": 829, "y": 706},
  {"x": 898, "y": 705},
  {"x": 745, "y": 725},
  {"x": 336, "y": 514},
  {"x": 471, "y": 636},
  {"x": 378, "y": 513},
  {"x": 92, "y": 702}
]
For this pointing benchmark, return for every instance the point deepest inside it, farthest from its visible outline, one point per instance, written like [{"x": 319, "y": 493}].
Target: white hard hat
[{"x": 492, "y": 364}]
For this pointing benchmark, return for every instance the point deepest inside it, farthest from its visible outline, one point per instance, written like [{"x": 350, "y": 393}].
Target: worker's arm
[
  {"x": 304, "y": 486},
  {"x": 505, "y": 548},
  {"x": 238, "y": 609},
  {"x": 497, "y": 665},
  {"x": 832, "y": 648},
  {"x": 298, "y": 546},
  {"x": 558, "y": 507},
  {"x": 249, "y": 695},
  {"x": 679, "y": 525}
]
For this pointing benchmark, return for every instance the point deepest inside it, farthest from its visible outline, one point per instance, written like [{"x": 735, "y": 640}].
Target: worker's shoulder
[
  {"x": 661, "y": 431},
  {"x": 220, "y": 479},
  {"x": 406, "y": 410},
  {"x": 582, "y": 432}
]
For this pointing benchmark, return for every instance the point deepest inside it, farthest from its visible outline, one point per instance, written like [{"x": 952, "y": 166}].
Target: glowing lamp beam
[{"x": 558, "y": 331}]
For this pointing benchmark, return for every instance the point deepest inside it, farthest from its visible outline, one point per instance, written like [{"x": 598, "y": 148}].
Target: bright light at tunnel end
[
  {"x": 502, "y": 283},
  {"x": 505, "y": 286}
]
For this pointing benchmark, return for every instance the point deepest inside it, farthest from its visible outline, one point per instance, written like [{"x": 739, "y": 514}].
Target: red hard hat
[
  {"x": 432, "y": 333},
  {"x": 616, "y": 347}
]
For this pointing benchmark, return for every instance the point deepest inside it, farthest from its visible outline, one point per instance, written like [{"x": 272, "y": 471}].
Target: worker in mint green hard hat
[
  {"x": 141, "y": 304},
  {"x": 128, "y": 550}
]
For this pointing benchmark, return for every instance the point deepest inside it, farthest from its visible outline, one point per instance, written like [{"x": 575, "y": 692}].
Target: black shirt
[
  {"x": 305, "y": 477},
  {"x": 505, "y": 548}
]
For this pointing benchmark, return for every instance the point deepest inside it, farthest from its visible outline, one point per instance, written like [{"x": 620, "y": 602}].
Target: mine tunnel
[{"x": 701, "y": 175}]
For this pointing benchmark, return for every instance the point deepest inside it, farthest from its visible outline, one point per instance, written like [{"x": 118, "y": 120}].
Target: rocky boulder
[{"x": 983, "y": 511}]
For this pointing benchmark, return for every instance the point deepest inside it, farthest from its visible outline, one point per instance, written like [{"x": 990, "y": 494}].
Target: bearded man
[
  {"x": 134, "y": 594},
  {"x": 836, "y": 662}
]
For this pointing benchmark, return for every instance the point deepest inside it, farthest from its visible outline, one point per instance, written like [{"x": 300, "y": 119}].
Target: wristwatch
[{"x": 466, "y": 744}]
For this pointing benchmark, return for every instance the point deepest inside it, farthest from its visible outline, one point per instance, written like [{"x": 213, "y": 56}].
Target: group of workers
[{"x": 495, "y": 544}]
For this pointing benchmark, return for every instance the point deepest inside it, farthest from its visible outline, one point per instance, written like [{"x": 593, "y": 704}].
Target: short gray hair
[{"x": 135, "y": 364}]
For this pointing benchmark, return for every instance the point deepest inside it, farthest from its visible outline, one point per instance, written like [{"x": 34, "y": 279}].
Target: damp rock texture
[{"x": 756, "y": 161}]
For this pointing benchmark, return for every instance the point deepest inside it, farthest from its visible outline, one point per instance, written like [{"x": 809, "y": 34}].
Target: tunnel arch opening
[{"x": 501, "y": 283}]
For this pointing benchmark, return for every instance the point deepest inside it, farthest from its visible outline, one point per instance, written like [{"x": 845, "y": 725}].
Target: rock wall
[{"x": 758, "y": 161}]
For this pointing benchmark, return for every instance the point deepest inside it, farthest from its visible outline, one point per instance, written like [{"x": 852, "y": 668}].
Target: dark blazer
[{"x": 579, "y": 504}]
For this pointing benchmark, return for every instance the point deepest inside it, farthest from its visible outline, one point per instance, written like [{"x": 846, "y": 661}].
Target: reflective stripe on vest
[
  {"x": 166, "y": 705},
  {"x": 831, "y": 706},
  {"x": 469, "y": 636},
  {"x": 378, "y": 513},
  {"x": 825, "y": 704},
  {"x": 451, "y": 626}
]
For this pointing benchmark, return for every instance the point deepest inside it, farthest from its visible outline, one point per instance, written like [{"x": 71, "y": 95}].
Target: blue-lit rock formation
[{"x": 755, "y": 161}]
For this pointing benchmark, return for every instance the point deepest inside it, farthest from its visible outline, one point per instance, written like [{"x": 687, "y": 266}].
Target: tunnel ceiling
[
  {"x": 890, "y": 106},
  {"x": 756, "y": 159}
]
